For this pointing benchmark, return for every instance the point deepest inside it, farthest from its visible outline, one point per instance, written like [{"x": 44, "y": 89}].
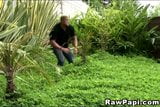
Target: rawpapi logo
[{"x": 131, "y": 102}]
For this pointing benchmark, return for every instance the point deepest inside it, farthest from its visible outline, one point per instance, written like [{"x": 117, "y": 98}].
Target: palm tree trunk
[{"x": 10, "y": 80}]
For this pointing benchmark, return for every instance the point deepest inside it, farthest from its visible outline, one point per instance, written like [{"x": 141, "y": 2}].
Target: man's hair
[{"x": 63, "y": 18}]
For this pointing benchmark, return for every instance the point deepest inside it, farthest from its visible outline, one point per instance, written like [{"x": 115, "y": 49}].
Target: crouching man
[{"x": 61, "y": 36}]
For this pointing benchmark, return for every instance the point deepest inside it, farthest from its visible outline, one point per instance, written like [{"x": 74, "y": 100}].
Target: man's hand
[{"x": 66, "y": 50}]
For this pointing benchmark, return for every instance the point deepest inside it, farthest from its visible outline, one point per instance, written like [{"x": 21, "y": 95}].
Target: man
[{"x": 60, "y": 37}]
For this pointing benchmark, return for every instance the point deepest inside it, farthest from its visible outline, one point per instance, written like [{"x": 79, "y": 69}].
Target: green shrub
[
  {"x": 121, "y": 27},
  {"x": 84, "y": 36}
]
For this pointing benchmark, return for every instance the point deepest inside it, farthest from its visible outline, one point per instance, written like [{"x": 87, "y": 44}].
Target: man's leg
[
  {"x": 60, "y": 56},
  {"x": 68, "y": 56}
]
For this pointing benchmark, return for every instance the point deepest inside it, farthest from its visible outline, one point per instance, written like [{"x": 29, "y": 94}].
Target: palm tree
[{"x": 24, "y": 26}]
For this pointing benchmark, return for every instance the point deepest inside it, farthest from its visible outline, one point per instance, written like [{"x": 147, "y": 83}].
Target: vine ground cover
[{"x": 103, "y": 76}]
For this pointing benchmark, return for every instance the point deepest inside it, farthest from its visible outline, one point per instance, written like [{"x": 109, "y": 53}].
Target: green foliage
[
  {"x": 24, "y": 26},
  {"x": 156, "y": 11},
  {"x": 121, "y": 27},
  {"x": 97, "y": 4},
  {"x": 84, "y": 35},
  {"x": 103, "y": 76},
  {"x": 131, "y": 29}
]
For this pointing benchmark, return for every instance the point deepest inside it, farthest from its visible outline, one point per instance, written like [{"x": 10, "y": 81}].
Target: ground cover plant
[{"x": 103, "y": 76}]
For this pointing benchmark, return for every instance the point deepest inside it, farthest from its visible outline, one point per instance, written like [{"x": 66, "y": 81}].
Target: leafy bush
[
  {"x": 96, "y": 4},
  {"x": 121, "y": 27},
  {"x": 84, "y": 36},
  {"x": 133, "y": 32}
]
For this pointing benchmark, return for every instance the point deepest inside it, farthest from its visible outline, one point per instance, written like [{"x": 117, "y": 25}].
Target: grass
[{"x": 88, "y": 85}]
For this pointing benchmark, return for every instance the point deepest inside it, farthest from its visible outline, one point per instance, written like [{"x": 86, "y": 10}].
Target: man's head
[{"x": 64, "y": 20}]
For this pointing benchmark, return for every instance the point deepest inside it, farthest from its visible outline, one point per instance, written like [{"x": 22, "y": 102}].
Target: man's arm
[
  {"x": 75, "y": 44},
  {"x": 54, "y": 44}
]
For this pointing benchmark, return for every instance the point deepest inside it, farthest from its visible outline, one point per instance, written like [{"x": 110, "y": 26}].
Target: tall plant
[
  {"x": 24, "y": 26},
  {"x": 85, "y": 31}
]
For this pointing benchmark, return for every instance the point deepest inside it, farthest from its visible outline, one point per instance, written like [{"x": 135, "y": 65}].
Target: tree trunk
[{"x": 10, "y": 82}]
